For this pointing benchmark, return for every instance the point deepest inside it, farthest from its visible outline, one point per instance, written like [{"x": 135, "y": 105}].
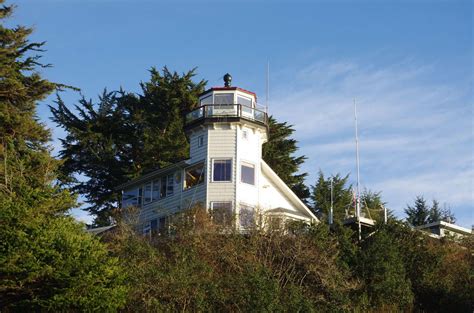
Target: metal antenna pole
[
  {"x": 384, "y": 214},
  {"x": 358, "y": 171},
  {"x": 331, "y": 216},
  {"x": 268, "y": 86}
]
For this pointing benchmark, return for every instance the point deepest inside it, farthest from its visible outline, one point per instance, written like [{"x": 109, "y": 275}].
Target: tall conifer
[{"x": 47, "y": 261}]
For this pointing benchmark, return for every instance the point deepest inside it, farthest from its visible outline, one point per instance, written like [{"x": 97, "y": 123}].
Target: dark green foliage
[
  {"x": 381, "y": 267},
  {"x": 418, "y": 214},
  {"x": 421, "y": 213},
  {"x": 125, "y": 135},
  {"x": 342, "y": 196},
  {"x": 279, "y": 152},
  {"x": 440, "y": 271},
  {"x": 440, "y": 214},
  {"x": 47, "y": 261}
]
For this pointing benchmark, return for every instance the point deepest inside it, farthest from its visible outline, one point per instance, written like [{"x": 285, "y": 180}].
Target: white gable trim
[{"x": 273, "y": 177}]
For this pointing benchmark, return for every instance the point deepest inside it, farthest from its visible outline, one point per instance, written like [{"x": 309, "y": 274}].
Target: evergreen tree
[
  {"x": 440, "y": 214},
  {"x": 47, "y": 261},
  {"x": 448, "y": 215},
  {"x": 435, "y": 214},
  {"x": 418, "y": 214},
  {"x": 342, "y": 196},
  {"x": 125, "y": 136},
  {"x": 279, "y": 152}
]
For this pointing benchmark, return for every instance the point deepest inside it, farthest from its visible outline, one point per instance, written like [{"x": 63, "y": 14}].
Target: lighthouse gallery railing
[{"x": 227, "y": 110}]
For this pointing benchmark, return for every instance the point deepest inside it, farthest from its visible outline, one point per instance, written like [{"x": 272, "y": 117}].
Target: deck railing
[{"x": 227, "y": 110}]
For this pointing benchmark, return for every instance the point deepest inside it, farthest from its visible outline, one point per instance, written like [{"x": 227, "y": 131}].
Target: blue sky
[{"x": 408, "y": 64}]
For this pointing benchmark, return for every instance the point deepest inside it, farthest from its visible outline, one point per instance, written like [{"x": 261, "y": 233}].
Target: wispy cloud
[{"x": 416, "y": 133}]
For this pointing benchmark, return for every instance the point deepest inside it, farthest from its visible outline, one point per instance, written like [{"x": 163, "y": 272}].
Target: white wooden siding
[
  {"x": 221, "y": 145},
  {"x": 197, "y": 153},
  {"x": 272, "y": 197},
  {"x": 179, "y": 201},
  {"x": 249, "y": 150}
]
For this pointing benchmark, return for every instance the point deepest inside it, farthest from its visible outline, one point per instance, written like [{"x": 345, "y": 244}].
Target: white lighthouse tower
[{"x": 225, "y": 171}]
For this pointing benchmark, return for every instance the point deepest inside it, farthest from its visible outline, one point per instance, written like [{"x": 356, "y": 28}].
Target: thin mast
[
  {"x": 358, "y": 171},
  {"x": 331, "y": 217},
  {"x": 268, "y": 86}
]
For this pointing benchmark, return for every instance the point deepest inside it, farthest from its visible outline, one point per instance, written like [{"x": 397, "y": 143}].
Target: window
[
  {"x": 151, "y": 192},
  {"x": 207, "y": 100},
  {"x": 222, "y": 170},
  {"x": 132, "y": 197},
  {"x": 247, "y": 216},
  {"x": 224, "y": 98},
  {"x": 245, "y": 134},
  {"x": 170, "y": 187},
  {"x": 177, "y": 178},
  {"x": 244, "y": 101},
  {"x": 163, "y": 185},
  {"x": 162, "y": 224},
  {"x": 221, "y": 213},
  {"x": 147, "y": 195},
  {"x": 155, "y": 194},
  {"x": 247, "y": 173},
  {"x": 154, "y": 226},
  {"x": 194, "y": 175},
  {"x": 246, "y": 105},
  {"x": 200, "y": 140},
  {"x": 166, "y": 186}
]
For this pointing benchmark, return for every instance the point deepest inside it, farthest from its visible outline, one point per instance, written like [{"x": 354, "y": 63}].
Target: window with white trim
[
  {"x": 224, "y": 98},
  {"x": 206, "y": 100},
  {"x": 221, "y": 213},
  {"x": 155, "y": 193},
  {"x": 247, "y": 173},
  {"x": 170, "y": 187},
  {"x": 132, "y": 197},
  {"x": 222, "y": 170},
  {"x": 200, "y": 141},
  {"x": 194, "y": 175},
  {"x": 147, "y": 195},
  {"x": 166, "y": 186}
]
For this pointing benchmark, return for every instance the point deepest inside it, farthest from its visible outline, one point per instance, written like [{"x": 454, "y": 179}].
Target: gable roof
[{"x": 292, "y": 197}]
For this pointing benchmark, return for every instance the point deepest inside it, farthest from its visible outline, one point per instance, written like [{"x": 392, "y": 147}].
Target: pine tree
[
  {"x": 47, "y": 261},
  {"x": 418, "y": 214},
  {"x": 437, "y": 213},
  {"x": 342, "y": 196},
  {"x": 279, "y": 152}
]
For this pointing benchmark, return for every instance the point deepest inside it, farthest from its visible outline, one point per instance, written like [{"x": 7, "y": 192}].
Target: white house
[{"x": 225, "y": 172}]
